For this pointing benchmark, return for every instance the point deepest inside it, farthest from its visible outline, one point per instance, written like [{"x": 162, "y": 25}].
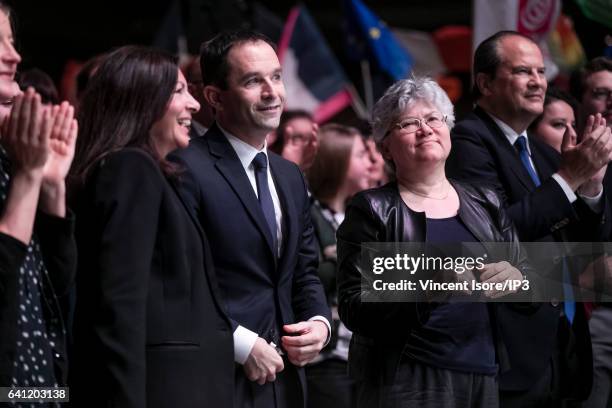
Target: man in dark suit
[
  {"x": 254, "y": 207},
  {"x": 550, "y": 197}
]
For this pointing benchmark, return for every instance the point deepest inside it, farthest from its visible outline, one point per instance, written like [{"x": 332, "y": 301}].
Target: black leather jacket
[{"x": 379, "y": 215}]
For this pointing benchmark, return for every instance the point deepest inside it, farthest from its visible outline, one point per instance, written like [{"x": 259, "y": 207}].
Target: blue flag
[{"x": 370, "y": 38}]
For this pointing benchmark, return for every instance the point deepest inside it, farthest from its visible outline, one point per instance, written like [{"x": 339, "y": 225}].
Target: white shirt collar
[
  {"x": 510, "y": 133},
  {"x": 246, "y": 153}
]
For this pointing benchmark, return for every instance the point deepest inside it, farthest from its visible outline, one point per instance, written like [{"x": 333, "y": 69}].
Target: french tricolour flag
[{"x": 314, "y": 80}]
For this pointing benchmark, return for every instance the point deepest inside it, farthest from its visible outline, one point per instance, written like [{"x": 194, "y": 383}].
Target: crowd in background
[{"x": 179, "y": 239}]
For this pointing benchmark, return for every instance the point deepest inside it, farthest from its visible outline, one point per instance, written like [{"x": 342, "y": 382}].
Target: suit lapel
[
  {"x": 508, "y": 152},
  {"x": 230, "y": 167}
]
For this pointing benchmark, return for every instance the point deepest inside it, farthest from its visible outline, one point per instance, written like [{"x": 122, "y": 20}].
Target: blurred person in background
[
  {"x": 559, "y": 115},
  {"x": 341, "y": 169},
  {"x": 85, "y": 73},
  {"x": 296, "y": 138},
  {"x": 42, "y": 84},
  {"x": 592, "y": 86},
  {"x": 204, "y": 118},
  {"x": 380, "y": 173}
]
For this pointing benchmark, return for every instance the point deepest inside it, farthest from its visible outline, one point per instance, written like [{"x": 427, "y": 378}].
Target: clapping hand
[
  {"x": 585, "y": 162},
  {"x": 594, "y": 185},
  {"x": 62, "y": 141},
  {"x": 26, "y": 132}
]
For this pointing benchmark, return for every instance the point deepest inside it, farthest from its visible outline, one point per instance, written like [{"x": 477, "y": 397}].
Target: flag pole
[
  {"x": 357, "y": 104},
  {"x": 366, "y": 79}
]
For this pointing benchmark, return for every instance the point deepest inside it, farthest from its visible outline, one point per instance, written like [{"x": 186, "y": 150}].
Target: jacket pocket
[{"x": 175, "y": 345}]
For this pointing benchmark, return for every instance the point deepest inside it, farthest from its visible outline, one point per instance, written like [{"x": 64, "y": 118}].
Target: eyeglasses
[
  {"x": 602, "y": 93},
  {"x": 411, "y": 125}
]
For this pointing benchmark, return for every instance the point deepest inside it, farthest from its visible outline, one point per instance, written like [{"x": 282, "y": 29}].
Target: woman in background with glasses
[{"x": 421, "y": 354}]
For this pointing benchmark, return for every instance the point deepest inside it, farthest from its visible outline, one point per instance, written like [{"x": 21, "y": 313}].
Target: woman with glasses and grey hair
[{"x": 422, "y": 354}]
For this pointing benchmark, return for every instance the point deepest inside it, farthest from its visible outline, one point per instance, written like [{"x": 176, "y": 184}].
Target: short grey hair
[{"x": 400, "y": 96}]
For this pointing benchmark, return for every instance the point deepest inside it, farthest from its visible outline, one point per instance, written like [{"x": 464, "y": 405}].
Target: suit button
[{"x": 554, "y": 302}]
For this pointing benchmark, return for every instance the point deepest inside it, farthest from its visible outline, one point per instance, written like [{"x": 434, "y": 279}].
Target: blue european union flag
[{"x": 369, "y": 37}]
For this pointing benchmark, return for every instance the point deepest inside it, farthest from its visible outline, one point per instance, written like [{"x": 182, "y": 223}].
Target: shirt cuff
[
  {"x": 244, "y": 340},
  {"x": 594, "y": 203},
  {"x": 324, "y": 320},
  {"x": 569, "y": 193}
]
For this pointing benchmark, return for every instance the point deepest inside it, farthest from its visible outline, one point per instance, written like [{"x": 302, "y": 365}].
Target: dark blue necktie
[
  {"x": 569, "y": 306},
  {"x": 260, "y": 163},
  {"x": 521, "y": 146}
]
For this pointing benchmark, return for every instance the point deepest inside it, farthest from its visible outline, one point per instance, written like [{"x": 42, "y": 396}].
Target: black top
[
  {"x": 148, "y": 328},
  {"x": 32, "y": 279},
  {"x": 381, "y": 329},
  {"x": 457, "y": 335}
]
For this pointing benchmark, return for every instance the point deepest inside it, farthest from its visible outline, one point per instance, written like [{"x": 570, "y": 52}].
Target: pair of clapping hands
[
  {"x": 583, "y": 165},
  {"x": 40, "y": 141}
]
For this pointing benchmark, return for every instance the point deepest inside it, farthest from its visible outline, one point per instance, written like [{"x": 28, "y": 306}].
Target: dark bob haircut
[{"x": 129, "y": 92}]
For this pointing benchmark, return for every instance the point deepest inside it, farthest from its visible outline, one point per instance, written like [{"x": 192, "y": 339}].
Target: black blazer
[
  {"x": 481, "y": 154},
  {"x": 261, "y": 292},
  {"x": 149, "y": 329}
]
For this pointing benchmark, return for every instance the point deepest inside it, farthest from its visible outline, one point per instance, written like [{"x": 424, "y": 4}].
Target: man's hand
[
  {"x": 581, "y": 162},
  {"x": 263, "y": 363},
  {"x": 499, "y": 272},
  {"x": 306, "y": 341}
]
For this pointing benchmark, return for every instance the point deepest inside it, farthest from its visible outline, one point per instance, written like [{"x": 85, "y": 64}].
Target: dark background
[{"x": 50, "y": 33}]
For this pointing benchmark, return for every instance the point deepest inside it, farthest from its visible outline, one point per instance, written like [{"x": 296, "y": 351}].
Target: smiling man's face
[{"x": 255, "y": 94}]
